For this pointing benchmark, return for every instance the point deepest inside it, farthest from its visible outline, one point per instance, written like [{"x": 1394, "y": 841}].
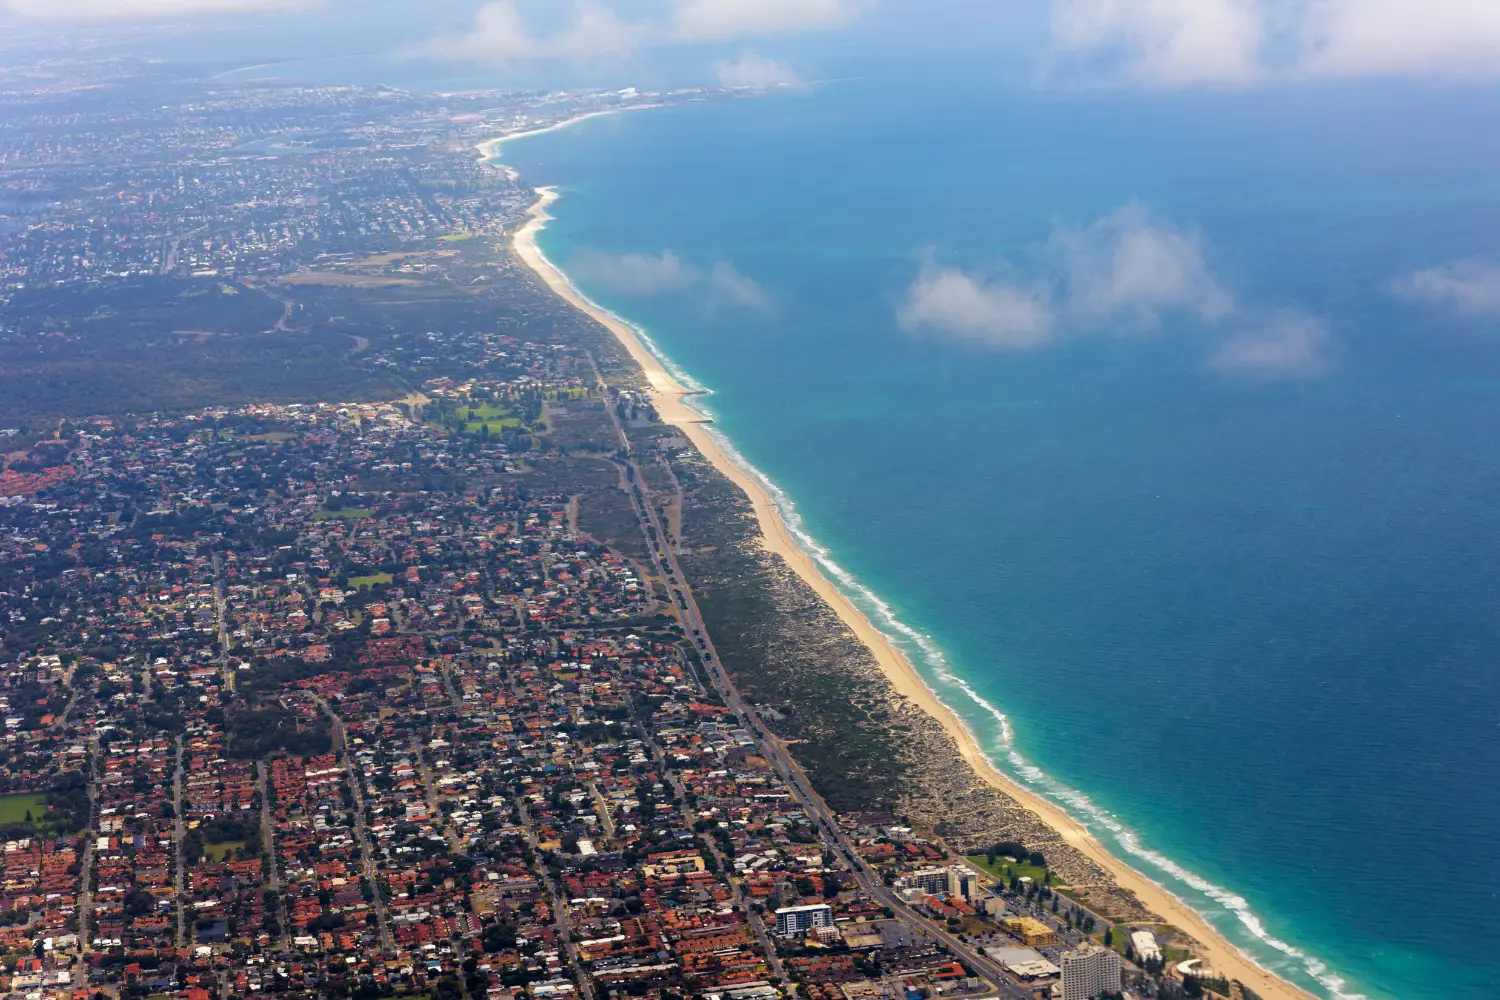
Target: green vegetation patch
[
  {"x": 366, "y": 582},
  {"x": 1006, "y": 870},
  {"x": 495, "y": 426},
  {"x": 219, "y": 852},
  {"x": 495, "y": 418},
  {"x": 22, "y": 807},
  {"x": 62, "y": 810}
]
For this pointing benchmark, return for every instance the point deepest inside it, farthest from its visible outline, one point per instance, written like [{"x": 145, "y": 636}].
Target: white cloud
[
  {"x": 1240, "y": 42},
  {"x": 1471, "y": 287},
  {"x": 1289, "y": 345},
  {"x": 598, "y": 31},
  {"x": 667, "y": 274},
  {"x": 638, "y": 274},
  {"x": 1166, "y": 41},
  {"x": 729, "y": 285},
  {"x": 122, "y": 10},
  {"x": 990, "y": 314},
  {"x": 751, "y": 70},
  {"x": 1124, "y": 273},
  {"x": 1402, "y": 37},
  {"x": 500, "y": 34},
  {"x": 1127, "y": 267},
  {"x": 719, "y": 20}
]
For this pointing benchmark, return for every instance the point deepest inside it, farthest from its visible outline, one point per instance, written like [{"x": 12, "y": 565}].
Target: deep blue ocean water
[{"x": 1247, "y": 628}]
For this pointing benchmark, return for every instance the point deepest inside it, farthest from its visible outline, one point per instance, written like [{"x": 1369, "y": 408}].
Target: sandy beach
[
  {"x": 670, "y": 400},
  {"x": 489, "y": 150}
]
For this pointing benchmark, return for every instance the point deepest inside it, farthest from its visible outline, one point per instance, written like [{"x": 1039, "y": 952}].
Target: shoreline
[
  {"x": 489, "y": 150},
  {"x": 670, "y": 398}
]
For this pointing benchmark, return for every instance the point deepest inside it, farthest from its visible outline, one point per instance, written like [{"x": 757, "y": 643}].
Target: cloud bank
[
  {"x": 751, "y": 70},
  {"x": 1289, "y": 345},
  {"x": 637, "y": 274},
  {"x": 1166, "y": 41},
  {"x": 1470, "y": 287},
  {"x": 1128, "y": 268},
  {"x": 500, "y": 33},
  {"x": 667, "y": 274},
  {"x": 1244, "y": 42},
  {"x": 727, "y": 284},
  {"x": 124, "y": 10},
  {"x": 720, "y": 20},
  {"x": 1402, "y": 37},
  {"x": 990, "y": 314},
  {"x": 1125, "y": 274}
]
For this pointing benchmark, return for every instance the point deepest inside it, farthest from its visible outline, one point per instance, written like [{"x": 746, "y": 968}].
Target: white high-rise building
[
  {"x": 1090, "y": 972},
  {"x": 795, "y": 921}
]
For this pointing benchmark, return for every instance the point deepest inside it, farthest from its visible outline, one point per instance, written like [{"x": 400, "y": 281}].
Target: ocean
[{"x": 1178, "y": 486}]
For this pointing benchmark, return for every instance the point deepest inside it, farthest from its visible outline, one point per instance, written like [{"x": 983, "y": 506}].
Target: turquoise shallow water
[{"x": 1245, "y": 627}]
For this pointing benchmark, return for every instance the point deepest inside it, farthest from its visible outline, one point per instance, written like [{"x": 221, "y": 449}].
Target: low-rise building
[{"x": 1032, "y": 931}]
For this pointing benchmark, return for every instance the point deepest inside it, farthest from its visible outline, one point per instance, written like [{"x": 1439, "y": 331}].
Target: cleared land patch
[
  {"x": 343, "y": 515},
  {"x": 346, "y": 280}
]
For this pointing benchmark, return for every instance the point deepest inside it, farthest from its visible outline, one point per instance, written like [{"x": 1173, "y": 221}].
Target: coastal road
[{"x": 686, "y": 607}]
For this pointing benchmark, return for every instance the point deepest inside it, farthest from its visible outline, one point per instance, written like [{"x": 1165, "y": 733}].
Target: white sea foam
[{"x": 932, "y": 665}]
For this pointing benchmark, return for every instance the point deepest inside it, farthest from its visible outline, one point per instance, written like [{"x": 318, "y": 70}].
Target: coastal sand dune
[{"x": 670, "y": 398}]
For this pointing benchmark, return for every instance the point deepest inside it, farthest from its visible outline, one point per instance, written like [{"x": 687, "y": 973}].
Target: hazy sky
[{"x": 1151, "y": 43}]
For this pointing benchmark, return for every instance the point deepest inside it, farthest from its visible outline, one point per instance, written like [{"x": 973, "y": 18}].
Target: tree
[
  {"x": 139, "y": 903},
  {"x": 1109, "y": 937}
]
